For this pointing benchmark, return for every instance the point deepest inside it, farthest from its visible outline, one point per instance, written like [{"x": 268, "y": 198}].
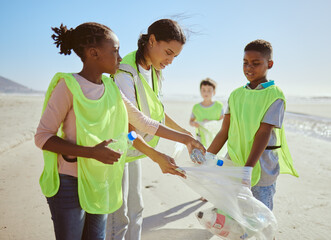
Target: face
[
  {"x": 256, "y": 66},
  {"x": 162, "y": 53},
  {"x": 207, "y": 92},
  {"x": 108, "y": 55}
]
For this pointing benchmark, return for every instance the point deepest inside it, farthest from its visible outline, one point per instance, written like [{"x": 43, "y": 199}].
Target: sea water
[{"x": 314, "y": 126}]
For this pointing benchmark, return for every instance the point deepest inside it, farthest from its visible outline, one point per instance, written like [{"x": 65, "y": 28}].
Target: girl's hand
[
  {"x": 191, "y": 143},
  {"x": 195, "y": 124},
  {"x": 167, "y": 164},
  {"x": 186, "y": 132},
  {"x": 104, "y": 154}
]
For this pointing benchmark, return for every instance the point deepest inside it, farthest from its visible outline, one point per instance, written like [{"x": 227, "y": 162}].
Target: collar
[{"x": 262, "y": 85}]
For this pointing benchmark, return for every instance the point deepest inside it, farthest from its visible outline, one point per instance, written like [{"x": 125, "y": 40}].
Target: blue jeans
[
  {"x": 70, "y": 221},
  {"x": 265, "y": 194}
]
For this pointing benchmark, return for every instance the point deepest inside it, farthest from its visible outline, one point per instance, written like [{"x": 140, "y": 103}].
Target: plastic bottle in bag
[
  {"x": 209, "y": 159},
  {"x": 197, "y": 156},
  {"x": 118, "y": 143},
  {"x": 212, "y": 160},
  {"x": 221, "y": 224}
]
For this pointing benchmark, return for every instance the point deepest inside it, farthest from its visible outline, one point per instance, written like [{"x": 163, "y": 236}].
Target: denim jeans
[
  {"x": 265, "y": 194},
  {"x": 126, "y": 222},
  {"x": 70, "y": 221}
]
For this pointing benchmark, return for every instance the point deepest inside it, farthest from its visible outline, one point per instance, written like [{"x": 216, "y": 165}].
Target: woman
[{"x": 139, "y": 78}]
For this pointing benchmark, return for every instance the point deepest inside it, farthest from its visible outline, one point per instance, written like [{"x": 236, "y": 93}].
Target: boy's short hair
[
  {"x": 262, "y": 46},
  {"x": 208, "y": 82}
]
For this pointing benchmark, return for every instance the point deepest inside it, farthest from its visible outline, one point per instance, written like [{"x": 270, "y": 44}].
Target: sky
[{"x": 218, "y": 31}]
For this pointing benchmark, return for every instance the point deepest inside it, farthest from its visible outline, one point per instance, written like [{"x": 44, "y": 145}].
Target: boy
[
  {"x": 206, "y": 111},
  {"x": 253, "y": 125}
]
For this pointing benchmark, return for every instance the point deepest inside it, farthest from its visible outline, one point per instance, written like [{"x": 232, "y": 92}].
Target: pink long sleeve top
[{"x": 60, "y": 110}]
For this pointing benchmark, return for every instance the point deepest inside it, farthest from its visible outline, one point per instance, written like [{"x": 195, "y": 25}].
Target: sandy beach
[{"x": 302, "y": 205}]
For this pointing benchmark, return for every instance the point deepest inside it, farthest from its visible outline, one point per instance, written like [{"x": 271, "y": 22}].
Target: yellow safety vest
[
  {"x": 208, "y": 113},
  {"x": 247, "y": 109},
  {"x": 147, "y": 100},
  {"x": 99, "y": 185}
]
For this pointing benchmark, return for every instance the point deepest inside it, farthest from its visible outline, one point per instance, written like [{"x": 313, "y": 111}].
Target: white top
[{"x": 125, "y": 83}]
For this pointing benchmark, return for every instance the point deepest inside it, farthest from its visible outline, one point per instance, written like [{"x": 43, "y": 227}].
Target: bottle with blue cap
[
  {"x": 125, "y": 140},
  {"x": 208, "y": 159}
]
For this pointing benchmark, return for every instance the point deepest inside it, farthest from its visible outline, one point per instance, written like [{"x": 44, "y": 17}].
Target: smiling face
[
  {"x": 255, "y": 67},
  {"x": 161, "y": 53},
  {"x": 108, "y": 54}
]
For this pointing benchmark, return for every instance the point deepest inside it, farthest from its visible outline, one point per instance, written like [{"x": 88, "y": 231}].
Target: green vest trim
[
  {"x": 247, "y": 109},
  {"x": 99, "y": 185},
  {"x": 147, "y": 100},
  {"x": 206, "y": 113}
]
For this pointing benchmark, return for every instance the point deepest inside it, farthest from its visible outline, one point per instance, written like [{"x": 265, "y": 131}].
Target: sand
[{"x": 302, "y": 205}]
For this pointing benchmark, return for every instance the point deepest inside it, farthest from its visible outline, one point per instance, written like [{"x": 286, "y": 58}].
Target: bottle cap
[
  {"x": 220, "y": 162},
  {"x": 132, "y": 135}
]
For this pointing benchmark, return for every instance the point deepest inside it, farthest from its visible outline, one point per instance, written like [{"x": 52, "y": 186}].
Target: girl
[
  {"x": 89, "y": 110},
  {"x": 139, "y": 78}
]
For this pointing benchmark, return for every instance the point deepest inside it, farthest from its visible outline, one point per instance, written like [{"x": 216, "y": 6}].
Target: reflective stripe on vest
[
  {"x": 247, "y": 109},
  {"x": 147, "y": 100},
  {"x": 99, "y": 185}
]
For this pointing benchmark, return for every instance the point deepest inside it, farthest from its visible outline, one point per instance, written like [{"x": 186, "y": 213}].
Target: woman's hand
[
  {"x": 167, "y": 164},
  {"x": 104, "y": 154},
  {"x": 195, "y": 124},
  {"x": 191, "y": 143}
]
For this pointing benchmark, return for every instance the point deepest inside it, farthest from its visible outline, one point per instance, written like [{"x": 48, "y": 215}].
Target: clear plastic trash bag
[{"x": 228, "y": 189}]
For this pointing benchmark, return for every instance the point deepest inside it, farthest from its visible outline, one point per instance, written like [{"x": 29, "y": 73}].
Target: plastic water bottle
[
  {"x": 123, "y": 141},
  {"x": 208, "y": 159},
  {"x": 221, "y": 224},
  {"x": 197, "y": 156},
  {"x": 212, "y": 160}
]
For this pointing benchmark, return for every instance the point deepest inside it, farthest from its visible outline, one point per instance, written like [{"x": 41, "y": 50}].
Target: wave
[{"x": 310, "y": 125}]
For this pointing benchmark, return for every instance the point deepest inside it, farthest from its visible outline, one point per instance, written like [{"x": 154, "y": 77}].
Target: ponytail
[
  {"x": 86, "y": 35},
  {"x": 142, "y": 43},
  {"x": 63, "y": 38}
]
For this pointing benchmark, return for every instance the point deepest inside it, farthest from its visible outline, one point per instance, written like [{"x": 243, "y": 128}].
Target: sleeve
[
  {"x": 124, "y": 82},
  {"x": 55, "y": 112},
  {"x": 275, "y": 114},
  {"x": 139, "y": 120}
]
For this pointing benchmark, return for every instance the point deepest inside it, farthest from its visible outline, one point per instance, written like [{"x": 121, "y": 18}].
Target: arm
[
  {"x": 55, "y": 113},
  {"x": 221, "y": 137},
  {"x": 188, "y": 140},
  {"x": 260, "y": 143},
  {"x": 172, "y": 124},
  {"x": 99, "y": 152},
  {"x": 193, "y": 123},
  {"x": 140, "y": 121},
  {"x": 166, "y": 163}
]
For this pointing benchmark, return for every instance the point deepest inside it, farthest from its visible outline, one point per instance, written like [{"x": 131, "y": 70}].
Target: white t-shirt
[{"x": 125, "y": 83}]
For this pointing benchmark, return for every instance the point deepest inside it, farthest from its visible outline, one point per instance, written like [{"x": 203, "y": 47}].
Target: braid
[{"x": 86, "y": 35}]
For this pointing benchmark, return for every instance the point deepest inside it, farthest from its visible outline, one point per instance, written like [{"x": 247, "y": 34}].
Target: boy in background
[
  {"x": 206, "y": 111},
  {"x": 252, "y": 125}
]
